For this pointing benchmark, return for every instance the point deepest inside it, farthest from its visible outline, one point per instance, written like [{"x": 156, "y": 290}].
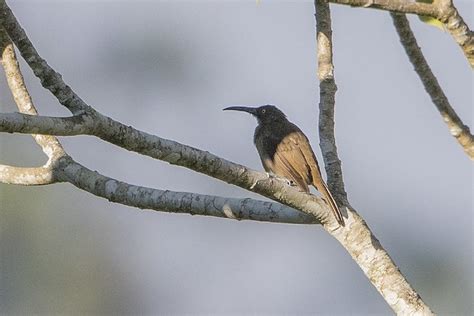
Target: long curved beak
[{"x": 247, "y": 109}]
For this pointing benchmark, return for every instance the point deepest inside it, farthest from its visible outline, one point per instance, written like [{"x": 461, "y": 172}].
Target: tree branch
[
  {"x": 356, "y": 236},
  {"x": 402, "y": 6},
  {"x": 26, "y": 176},
  {"x": 328, "y": 88},
  {"x": 46, "y": 125},
  {"x": 456, "y": 127},
  {"x": 442, "y": 10},
  {"x": 62, "y": 168},
  {"x": 159, "y": 148},
  {"x": 50, "y": 145},
  {"x": 176, "y": 202},
  {"x": 50, "y": 79},
  {"x": 167, "y": 150}
]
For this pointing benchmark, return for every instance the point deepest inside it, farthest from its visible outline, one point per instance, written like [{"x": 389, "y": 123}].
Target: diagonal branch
[
  {"x": 173, "y": 152},
  {"x": 45, "y": 125},
  {"x": 458, "y": 28},
  {"x": 26, "y": 176},
  {"x": 167, "y": 150},
  {"x": 50, "y": 145},
  {"x": 456, "y": 127},
  {"x": 62, "y": 168},
  {"x": 176, "y": 202},
  {"x": 356, "y": 236},
  {"x": 442, "y": 10},
  {"x": 50, "y": 79}
]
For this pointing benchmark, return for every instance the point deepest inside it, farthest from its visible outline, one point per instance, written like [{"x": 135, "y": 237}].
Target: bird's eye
[{"x": 263, "y": 111}]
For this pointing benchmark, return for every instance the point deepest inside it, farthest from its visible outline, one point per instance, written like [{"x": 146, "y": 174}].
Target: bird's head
[{"x": 264, "y": 114}]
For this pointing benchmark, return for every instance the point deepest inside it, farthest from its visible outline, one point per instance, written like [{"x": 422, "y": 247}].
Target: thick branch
[
  {"x": 442, "y": 10},
  {"x": 156, "y": 147},
  {"x": 356, "y": 236},
  {"x": 26, "y": 176},
  {"x": 176, "y": 202},
  {"x": 62, "y": 168},
  {"x": 50, "y": 79},
  {"x": 176, "y": 153},
  {"x": 456, "y": 127},
  {"x": 45, "y": 125},
  {"x": 402, "y": 6}
]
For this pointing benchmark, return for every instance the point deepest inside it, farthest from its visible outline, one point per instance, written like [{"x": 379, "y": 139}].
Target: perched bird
[{"x": 286, "y": 152}]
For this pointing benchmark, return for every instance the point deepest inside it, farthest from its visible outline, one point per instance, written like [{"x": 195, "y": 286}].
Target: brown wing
[
  {"x": 318, "y": 182},
  {"x": 289, "y": 161}
]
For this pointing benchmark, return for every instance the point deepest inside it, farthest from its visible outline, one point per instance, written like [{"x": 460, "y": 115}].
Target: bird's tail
[{"x": 323, "y": 189}]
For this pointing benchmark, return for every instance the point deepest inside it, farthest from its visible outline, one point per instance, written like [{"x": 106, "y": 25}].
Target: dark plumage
[{"x": 285, "y": 151}]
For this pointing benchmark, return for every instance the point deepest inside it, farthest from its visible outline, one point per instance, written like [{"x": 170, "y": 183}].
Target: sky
[{"x": 169, "y": 68}]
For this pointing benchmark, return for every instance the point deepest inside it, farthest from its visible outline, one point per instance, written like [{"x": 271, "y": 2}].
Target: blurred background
[{"x": 168, "y": 68}]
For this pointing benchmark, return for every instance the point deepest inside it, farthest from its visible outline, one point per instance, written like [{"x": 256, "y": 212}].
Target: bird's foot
[
  {"x": 253, "y": 185},
  {"x": 291, "y": 183},
  {"x": 368, "y": 3},
  {"x": 270, "y": 176},
  {"x": 273, "y": 176},
  {"x": 257, "y": 181}
]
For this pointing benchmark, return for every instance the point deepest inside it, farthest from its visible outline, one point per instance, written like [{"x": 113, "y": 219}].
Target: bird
[{"x": 285, "y": 151}]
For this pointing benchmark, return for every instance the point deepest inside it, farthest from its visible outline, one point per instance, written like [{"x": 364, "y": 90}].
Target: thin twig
[
  {"x": 456, "y": 127},
  {"x": 442, "y": 10}
]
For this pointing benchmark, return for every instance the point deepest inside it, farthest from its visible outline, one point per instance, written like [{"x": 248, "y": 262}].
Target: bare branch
[
  {"x": 26, "y": 176},
  {"x": 328, "y": 88},
  {"x": 131, "y": 139},
  {"x": 50, "y": 145},
  {"x": 62, "y": 168},
  {"x": 442, "y": 10},
  {"x": 65, "y": 169},
  {"x": 173, "y": 152},
  {"x": 456, "y": 127},
  {"x": 177, "y": 202},
  {"x": 356, "y": 236},
  {"x": 458, "y": 28},
  {"x": 50, "y": 79},
  {"x": 46, "y": 125},
  {"x": 402, "y": 6}
]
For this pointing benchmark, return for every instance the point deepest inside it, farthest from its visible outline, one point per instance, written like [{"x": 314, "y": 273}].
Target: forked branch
[
  {"x": 456, "y": 127},
  {"x": 356, "y": 237},
  {"x": 442, "y": 10},
  {"x": 60, "y": 167},
  {"x": 159, "y": 148}
]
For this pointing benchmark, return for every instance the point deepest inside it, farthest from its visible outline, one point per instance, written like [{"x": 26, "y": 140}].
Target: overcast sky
[{"x": 168, "y": 68}]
